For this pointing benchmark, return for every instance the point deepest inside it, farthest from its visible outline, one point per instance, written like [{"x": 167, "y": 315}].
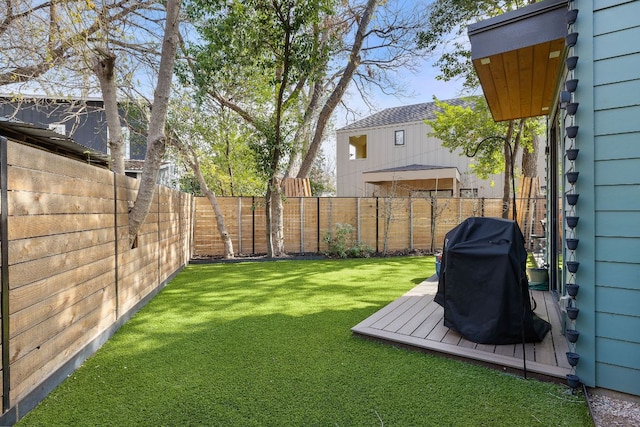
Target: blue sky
[{"x": 422, "y": 83}]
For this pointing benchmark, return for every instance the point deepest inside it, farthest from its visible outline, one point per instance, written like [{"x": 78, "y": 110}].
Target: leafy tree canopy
[
  {"x": 256, "y": 56},
  {"x": 465, "y": 126},
  {"x": 446, "y": 34}
]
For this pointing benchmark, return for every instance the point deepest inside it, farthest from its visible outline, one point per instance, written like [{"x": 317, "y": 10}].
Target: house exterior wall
[
  {"x": 609, "y": 188},
  {"x": 418, "y": 148}
]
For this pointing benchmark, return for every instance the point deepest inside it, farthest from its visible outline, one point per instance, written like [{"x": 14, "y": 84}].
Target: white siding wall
[{"x": 418, "y": 149}]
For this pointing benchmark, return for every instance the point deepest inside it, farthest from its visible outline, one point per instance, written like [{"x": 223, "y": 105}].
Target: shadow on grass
[{"x": 270, "y": 344}]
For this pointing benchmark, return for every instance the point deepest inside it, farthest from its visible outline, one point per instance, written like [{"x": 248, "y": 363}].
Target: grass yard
[{"x": 269, "y": 344}]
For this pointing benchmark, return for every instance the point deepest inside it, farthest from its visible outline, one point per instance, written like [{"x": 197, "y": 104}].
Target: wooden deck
[{"x": 416, "y": 320}]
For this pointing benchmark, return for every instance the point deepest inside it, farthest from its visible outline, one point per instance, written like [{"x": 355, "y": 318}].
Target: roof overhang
[
  {"x": 411, "y": 175},
  {"x": 37, "y": 136},
  {"x": 518, "y": 56}
]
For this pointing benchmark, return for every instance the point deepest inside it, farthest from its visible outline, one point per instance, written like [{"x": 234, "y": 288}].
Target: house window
[
  {"x": 469, "y": 192},
  {"x": 58, "y": 128},
  {"x": 441, "y": 193},
  {"x": 358, "y": 147},
  {"x": 126, "y": 142},
  {"x": 425, "y": 194},
  {"x": 398, "y": 138}
]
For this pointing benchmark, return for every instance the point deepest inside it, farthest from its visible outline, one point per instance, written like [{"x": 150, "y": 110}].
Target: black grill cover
[{"x": 483, "y": 286}]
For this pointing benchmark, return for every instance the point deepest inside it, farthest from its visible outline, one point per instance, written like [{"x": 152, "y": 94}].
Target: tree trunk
[
  {"x": 277, "y": 220},
  {"x": 303, "y": 133},
  {"x": 530, "y": 159},
  {"x": 104, "y": 67},
  {"x": 267, "y": 219},
  {"x": 274, "y": 219},
  {"x": 434, "y": 220},
  {"x": 156, "y": 139},
  {"x": 506, "y": 189},
  {"x": 338, "y": 92},
  {"x": 222, "y": 229},
  {"x": 191, "y": 158},
  {"x": 229, "y": 167}
]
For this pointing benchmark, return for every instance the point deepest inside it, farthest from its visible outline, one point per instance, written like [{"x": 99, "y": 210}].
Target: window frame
[{"x": 398, "y": 138}]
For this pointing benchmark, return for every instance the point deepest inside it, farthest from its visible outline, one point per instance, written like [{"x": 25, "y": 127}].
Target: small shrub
[{"x": 342, "y": 244}]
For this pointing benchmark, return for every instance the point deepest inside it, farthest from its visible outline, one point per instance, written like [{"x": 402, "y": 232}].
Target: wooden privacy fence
[
  {"x": 69, "y": 279},
  {"x": 405, "y": 223}
]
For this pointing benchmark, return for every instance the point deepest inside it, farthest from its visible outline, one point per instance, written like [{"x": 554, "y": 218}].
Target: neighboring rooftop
[
  {"x": 403, "y": 114},
  {"x": 134, "y": 165},
  {"x": 17, "y": 97},
  {"x": 49, "y": 140},
  {"x": 414, "y": 167}
]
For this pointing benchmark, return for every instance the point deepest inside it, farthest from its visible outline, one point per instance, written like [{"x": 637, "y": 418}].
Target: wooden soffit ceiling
[{"x": 518, "y": 57}]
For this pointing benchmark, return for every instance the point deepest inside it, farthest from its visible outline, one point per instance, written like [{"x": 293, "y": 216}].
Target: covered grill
[{"x": 483, "y": 285}]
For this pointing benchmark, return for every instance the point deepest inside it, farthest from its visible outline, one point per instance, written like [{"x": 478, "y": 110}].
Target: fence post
[
  {"x": 159, "y": 243},
  {"x": 301, "y": 225},
  {"x": 377, "y": 224},
  {"x": 4, "y": 229},
  {"x": 358, "y": 236},
  {"x": 239, "y": 225},
  {"x": 410, "y": 223},
  {"x": 115, "y": 240},
  {"x": 318, "y": 221}
]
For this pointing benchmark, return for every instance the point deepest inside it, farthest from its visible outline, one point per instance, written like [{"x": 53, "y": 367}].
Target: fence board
[
  {"x": 22, "y": 156},
  {"x": 308, "y": 220},
  {"x": 22, "y": 227},
  {"x": 34, "y": 314},
  {"x": 43, "y": 326},
  {"x": 69, "y": 257},
  {"x": 29, "y": 371},
  {"x": 292, "y": 231},
  {"x": 40, "y": 247},
  {"x": 38, "y": 203},
  {"x": 421, "y": 213},
  {"x": 32, "y": 271},
  {"x": 32, "y": 294},
  {"x": 40, "y": 182},
  {"x": 136, "y": 286}
]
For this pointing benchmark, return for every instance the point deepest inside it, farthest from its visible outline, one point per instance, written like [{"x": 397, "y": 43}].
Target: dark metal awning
[
  {"x": 412, "y": 172},
  {"x": 49, "y": 140},
  {"x": 518, "y": 56}
]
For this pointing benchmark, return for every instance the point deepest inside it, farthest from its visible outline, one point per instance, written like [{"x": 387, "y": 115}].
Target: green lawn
[{"x": 269, "y": 344}]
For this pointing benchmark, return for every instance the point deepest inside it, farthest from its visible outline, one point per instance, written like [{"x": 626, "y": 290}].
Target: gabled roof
[
  {"x": 10, "y": 97},
  {"x": 137, "y": 165},
  {"x": 133, "y": 165},
  {"x": 403, "y": 114},
  {"x": 414, "y": 167},
  {"x": 413, "y": 172}
]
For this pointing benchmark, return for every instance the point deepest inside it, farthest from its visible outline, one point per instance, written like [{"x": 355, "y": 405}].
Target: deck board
[{"x": 416, "y": 320}]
